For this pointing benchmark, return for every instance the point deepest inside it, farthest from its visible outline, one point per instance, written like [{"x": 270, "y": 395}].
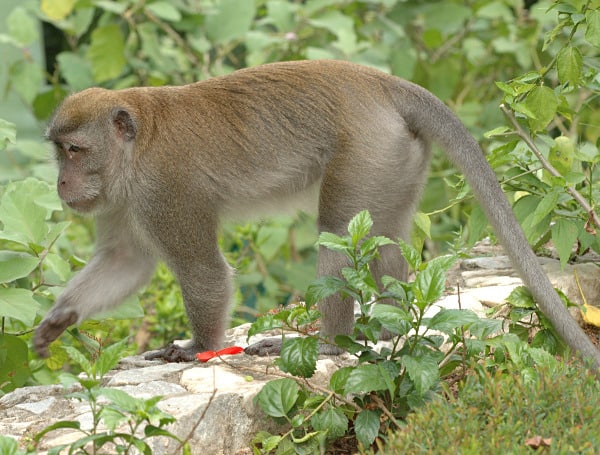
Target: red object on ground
[{"x": 207, "y": 355}]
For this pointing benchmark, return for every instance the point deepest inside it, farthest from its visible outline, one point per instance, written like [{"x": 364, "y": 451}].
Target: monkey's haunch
[{"x": 159, "y": 167}]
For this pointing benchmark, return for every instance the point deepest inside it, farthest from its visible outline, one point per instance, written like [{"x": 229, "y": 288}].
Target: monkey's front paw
[
  {"x": 173, "y": 353},
  {"x": 50, "y": 329}
]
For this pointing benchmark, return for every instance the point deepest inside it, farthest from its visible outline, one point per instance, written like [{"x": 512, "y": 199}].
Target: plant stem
[{"x": 548, "y": 166}]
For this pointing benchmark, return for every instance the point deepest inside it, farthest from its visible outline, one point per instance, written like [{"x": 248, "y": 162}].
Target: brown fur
[{"x": 159, "y": 167}]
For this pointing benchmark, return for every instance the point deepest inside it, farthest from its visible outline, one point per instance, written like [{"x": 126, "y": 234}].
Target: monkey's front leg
[
  {"x": 116, "y": 271},
  {"x": 206, "y": 287}
]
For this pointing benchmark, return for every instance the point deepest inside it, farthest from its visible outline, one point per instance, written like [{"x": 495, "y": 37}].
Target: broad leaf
[
  {"x": 19, "y": 304},
  {"x": 299, "y": 356},
  {"x": 278, "y": 397},
  {"x": 423, "y": 371},
  {"x": 366, "y": 427}
]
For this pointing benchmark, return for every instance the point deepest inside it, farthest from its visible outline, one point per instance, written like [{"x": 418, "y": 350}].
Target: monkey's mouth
[{"x": 82, "y": 205}]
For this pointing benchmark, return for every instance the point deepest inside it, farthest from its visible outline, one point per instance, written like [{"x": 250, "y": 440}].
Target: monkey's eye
[{"x": 73, "y": 148}]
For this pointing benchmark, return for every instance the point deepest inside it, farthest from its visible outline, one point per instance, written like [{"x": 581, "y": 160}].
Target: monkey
[{"x": 161, "y": 167}]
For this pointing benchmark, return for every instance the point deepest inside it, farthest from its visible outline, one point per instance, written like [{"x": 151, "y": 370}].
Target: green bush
[{"x": 555, "y": 410}]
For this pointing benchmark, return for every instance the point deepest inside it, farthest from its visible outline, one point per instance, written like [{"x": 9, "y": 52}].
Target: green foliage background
[{"x": 544, "y": 54}]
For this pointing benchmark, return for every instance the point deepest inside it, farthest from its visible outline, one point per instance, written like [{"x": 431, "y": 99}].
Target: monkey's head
[{"x": 93, "y": 133}]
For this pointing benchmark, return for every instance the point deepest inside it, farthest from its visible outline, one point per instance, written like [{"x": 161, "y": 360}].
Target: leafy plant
[
  {"x": 122, "y": 410},
  {"x": 552, "y": 145},
  {"x": 388, "y": 381}
]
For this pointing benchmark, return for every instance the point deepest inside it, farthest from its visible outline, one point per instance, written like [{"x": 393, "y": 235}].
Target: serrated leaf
[
  {"x": 412, "y": 256},
  {"x": 430, "y": 285},
  {"x": 448, "y": 320},
  {"x": 366, "y": 427},
  {"x": 26, "y": 78},
  {"x": 109, "y": 357},
  {"x": 278, "y": 397},
  {"x": 299, "y": 356},
  {"x": 263, "y": 324},
  {"x": 423, "y": 371},
  {"x": 334, "y": 242},
  {"x": 564, "y": 236},
  {"x": 569, "y": 65},
  {"x": 15, "y": 265},
  {"x": 365, "y": 378},
  {"x": 520, "y": 297},
  {"x": 121, "y": 399},
  {"x": 80, "y": 359},
  {"x": 338, "y": 379},
  {"x": 592, "y": 33},
  {"x": 18, "y": 304},
  {"x": 332, "y": 420},
  {"x": 107, "y": 52},
  {"x": 546, "y": 206},
  {"x": 322, "y": 288},
  {"x": 543, "y": 103},
  {"x": 392, "y": 318},
  {"x": 360, "y": 226}
]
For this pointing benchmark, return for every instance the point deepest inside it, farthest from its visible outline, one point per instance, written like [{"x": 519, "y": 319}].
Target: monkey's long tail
[{"x": 430, "y": 118}]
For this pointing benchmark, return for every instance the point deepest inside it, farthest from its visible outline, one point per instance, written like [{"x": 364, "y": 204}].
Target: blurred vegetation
[{"x": 456, "y": 49}]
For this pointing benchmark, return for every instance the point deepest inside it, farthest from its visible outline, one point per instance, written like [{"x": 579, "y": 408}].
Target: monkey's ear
[{"x": 125, "y": 124}]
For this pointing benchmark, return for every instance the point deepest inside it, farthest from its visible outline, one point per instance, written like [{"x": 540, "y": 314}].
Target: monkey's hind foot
[
  {"x": 272, "y": 346},
  {"x": 173, "y": 353}
]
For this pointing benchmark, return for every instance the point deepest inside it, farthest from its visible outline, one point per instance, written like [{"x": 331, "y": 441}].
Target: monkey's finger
[{"x": 50, "y": 329}]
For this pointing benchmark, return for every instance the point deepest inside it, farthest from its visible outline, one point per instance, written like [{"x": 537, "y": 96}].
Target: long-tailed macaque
[{"x": 159, "y": 167}]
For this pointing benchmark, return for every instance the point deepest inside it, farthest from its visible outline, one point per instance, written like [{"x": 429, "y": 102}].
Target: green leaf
[
  {"x": 232, "y": 20},
  {"x": 80, "y": 359},
  {"x": 107, "y": 52},
  {"x": 592, "y": 33},
  {"x": 264, "y": 324},
  {"x": 366, "y": 427},
  {"x": 270, "y": 239},
  {"x": 18, "y": 304},
  {"x": 110, "y": 356},
  {"x": 543, "y": 103},
  {"x": 393, "y": 318},
  {"x": 278, "y": 397},
  {"x": 164, "y": 10},
  {"x": 365, "y": 378},
  {"x": 520, "y": 297},
  {"x": 360, "y": 226},
  {"x": 22, "y": 27},
  {"x": 430, "y": 285},
  {"x": 569, "y": 64},
  {"x": 562, "y": 154},
  {"x": 338, "y": 380},
  {"x": 8, "y": 133},
  {"x": 448, "y": 320},
  {"x": 299, "y": 356},
  {"x": 26, "y": 78},
  {"x": 122, "y": 399},
  {"x": 15, "y": 265},
  {"x": 476, "y": 225},
  {"x": 14, "y": 363},
  {"x": 423, "y": 371},
  {"x": 332, "y": 420},
  {"x": 76, "y": 70},
  {"x": 9, "y": 446},
  {"x": 564, "y": 236},
  {"x": 334, "y": 242},
  {"x": 546, "y": 206},
  {"x": 412, "y": 256},
  {"x": 57, "y": 10},
  {"x": 341, "y": 25}
]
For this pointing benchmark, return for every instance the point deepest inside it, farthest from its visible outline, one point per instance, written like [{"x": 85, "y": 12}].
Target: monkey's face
[{"x": 79, "y": 182}]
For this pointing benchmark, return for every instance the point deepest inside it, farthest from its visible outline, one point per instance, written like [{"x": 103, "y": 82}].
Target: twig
[
  {"x": 548, "y": 166},
  {"x": 386, "y": 411}
]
